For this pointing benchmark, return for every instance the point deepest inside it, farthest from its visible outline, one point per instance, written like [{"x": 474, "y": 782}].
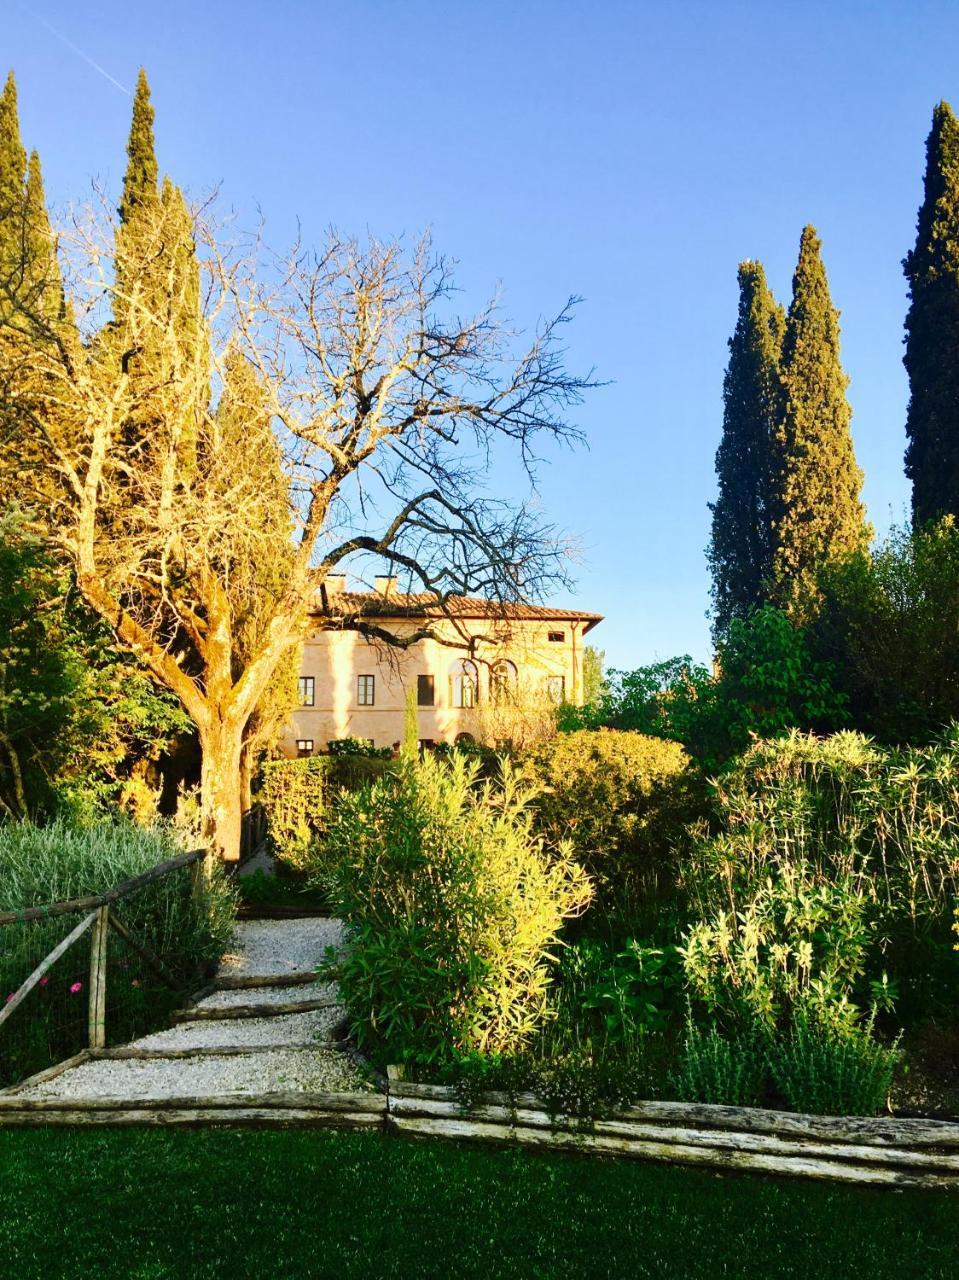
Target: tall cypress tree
[
  {"x": 156, "y": 303},
  {"x": 141, "y": 177},
  {"x": 13, "y": 176},
  {"x": 740, "y": 551},
  {"x": 932, "y": 330},
  {"x": 821, "y": 515}
]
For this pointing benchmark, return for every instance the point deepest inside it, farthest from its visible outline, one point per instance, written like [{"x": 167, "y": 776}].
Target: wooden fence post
[{"x": 97, "y": 1019}]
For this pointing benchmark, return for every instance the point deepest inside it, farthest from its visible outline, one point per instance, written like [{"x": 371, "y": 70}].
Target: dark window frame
[
  {"x": 304, "y": 747},
  {"x": 363, "y": 689},
  {"x": 306, "y": 687},
  {"x": 556, "y": 637},
  {"x": 424, "y": 683}
]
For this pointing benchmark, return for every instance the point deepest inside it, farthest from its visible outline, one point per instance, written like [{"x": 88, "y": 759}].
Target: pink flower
[
  {"x": 77, "y": 986},
  {"x": 10, "y": 996},
  {"x": 44, "y": 981},
  {"x": 135, "y": 982}
]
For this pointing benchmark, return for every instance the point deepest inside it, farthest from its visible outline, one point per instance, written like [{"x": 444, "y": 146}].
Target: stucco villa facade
[{"x": 355, "y": 687}]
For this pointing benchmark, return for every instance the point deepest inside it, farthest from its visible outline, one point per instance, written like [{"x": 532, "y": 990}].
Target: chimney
[{"x": 385, "y": 585}]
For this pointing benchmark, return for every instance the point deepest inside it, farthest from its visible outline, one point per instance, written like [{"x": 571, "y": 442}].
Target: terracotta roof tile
[{"x": 422, "y": 604}]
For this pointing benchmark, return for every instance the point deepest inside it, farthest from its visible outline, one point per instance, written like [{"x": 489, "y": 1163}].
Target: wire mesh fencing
[{"x": 97, "y": 971}]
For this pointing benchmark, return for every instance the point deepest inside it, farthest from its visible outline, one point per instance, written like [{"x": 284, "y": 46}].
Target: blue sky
[{"x": 631, "y": 153}]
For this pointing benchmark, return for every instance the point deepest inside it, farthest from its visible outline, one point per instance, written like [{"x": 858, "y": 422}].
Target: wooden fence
[{"x": 97, "y": 918}]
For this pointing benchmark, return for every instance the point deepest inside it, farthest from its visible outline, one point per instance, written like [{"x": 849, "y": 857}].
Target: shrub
[
  {"x": 292, "y": 794},
  {"x": 825, "y": 1072},
  {"x": 730, "y": 1071},
  {"x": 887, "y": 625},
  {"x": 451, "y": 904},
  {"x": 826, "y": 857},
  {"x": 622, "y": 799},
  {"x": 614, "y": 994},
  {"x": 295, "y": 794},
  {"x": 362, "y": 747}
]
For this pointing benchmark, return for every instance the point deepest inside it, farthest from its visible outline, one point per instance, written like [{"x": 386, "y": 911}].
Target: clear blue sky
[{"x": 632, "y": 153}]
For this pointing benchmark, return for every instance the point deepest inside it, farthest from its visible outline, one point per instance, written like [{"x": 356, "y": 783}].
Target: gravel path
[
  {"x": 274, "y": 1070},
  {"x": 263, "y": 947}
]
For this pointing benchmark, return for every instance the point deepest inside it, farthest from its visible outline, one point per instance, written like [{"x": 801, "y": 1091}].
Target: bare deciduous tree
[{"x": 346, "y": 375}]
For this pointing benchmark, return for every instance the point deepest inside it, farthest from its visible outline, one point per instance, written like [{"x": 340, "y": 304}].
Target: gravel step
[
  {"x": 266, "y": 996},
  {"x": 270, "y": 1071},
  {"x": 295, "y": 1028}
]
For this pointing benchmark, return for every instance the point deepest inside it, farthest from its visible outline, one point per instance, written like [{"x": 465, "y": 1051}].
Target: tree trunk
[{"x": 220, "y": 795}]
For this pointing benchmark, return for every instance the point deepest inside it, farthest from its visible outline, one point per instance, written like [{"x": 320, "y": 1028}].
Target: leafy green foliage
[
  {"x": 767, "y": 680},
  {"x": 825, "y": 858},
  {"x": 932, "y": 330},
  {"x": 357, "y": 747},
  {"x": 451, "y": 904},
  {"x": 821, "y": 1071},
  {"x": 622, "y": 799},
  {"x": 887, "y": 625},
  {"x": 727, "y": 1070},
  {"x": 295, "y": 795},
  {"x": 744, "y": 514},
  {"x": 74, "y": 714}
]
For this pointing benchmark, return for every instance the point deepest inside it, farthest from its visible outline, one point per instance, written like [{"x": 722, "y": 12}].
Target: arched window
[
  {"x": 464, "y": 683},
  {"x": 502, "y": 683}
]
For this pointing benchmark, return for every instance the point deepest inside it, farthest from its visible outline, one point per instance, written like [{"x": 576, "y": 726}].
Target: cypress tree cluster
[
  {"x": 932, "y": 330},
  {"x": 29, "y": 270},
  {"x": 743, "y": 516},
  {"x": 789, "y": 485}
]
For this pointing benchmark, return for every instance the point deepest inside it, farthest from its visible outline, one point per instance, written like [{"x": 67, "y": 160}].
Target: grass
[{"x": 141, "y": 1203}]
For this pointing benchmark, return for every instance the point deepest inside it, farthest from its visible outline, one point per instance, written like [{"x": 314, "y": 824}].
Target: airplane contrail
[{"x": 76, "y": 49}]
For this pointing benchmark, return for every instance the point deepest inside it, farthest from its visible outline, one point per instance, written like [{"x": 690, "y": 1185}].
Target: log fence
[{"x": 97, "y": 916}]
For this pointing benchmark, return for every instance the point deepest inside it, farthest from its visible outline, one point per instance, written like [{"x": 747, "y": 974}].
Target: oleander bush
[
  {"x": 622, "y": 799},
  {"x": 829, "y": 862},
  {"x": 452, "y": 906}
]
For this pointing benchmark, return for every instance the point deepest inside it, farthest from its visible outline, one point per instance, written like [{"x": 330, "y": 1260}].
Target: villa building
[{"x": 354, "y": 686}]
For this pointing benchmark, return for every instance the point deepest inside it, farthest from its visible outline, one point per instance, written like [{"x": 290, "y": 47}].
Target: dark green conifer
[
  {"x": 820, "y": 513},
  {"x": 932, "y": 330},
  {"x": 741, "y": 543}
]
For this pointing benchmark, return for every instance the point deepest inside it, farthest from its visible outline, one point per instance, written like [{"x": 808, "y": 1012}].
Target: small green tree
[
  {"x": 767, "y": 680},
  {"x": 887, "y": 625},
  {"x": 75, "y": 717}
]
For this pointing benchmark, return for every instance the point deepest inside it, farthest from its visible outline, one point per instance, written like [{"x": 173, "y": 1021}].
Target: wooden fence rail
[{"x": 99, "y": 919}]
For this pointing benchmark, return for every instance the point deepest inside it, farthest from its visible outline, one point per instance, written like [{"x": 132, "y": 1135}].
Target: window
[
  {"x": 425, "y": 691},
  {"x": 502, "y": 683},
  {"x": 427, "y": 744},
  {"x": 304, "y": 746},
  {"x": 556, "y": 637},
  {"x": 556, "y": 688},
  {"x": 464, "y": 683},
  {"x": 307, "y": 691},
  {"x": 365, "y": 691}
]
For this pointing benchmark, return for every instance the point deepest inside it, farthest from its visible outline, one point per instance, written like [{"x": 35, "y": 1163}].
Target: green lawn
[{"x": 244, "y": 1203}]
